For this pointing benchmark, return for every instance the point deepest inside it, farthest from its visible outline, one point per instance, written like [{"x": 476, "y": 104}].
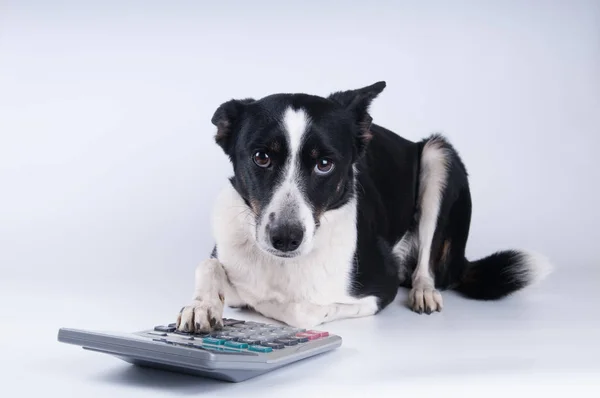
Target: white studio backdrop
[{"x": 108, "y": 168}]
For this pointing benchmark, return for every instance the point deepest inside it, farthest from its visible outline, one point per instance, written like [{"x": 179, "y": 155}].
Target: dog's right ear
[
  {"x": 358, "y": 103},
  {"x": 226, "y": 118}
]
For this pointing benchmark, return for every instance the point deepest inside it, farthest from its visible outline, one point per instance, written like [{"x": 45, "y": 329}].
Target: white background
[{"x": 108, "y": 168}]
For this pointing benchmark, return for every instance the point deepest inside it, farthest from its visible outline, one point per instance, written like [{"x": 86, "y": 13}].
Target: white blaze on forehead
[
  {"x": 295, "y": 123},
  {"x": 288, "y": 201}
]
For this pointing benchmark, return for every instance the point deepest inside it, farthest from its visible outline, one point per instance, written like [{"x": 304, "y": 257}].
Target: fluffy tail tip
[{"x": 536, "y": 266}]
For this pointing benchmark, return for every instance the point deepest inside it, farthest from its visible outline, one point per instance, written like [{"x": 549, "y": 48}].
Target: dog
[{"x": 327, "y": 214}]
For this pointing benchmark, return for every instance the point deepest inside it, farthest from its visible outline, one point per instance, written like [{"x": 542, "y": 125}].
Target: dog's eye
[
  {"x": 324, "y": 166},
  {"x": 262, "y": 159}
]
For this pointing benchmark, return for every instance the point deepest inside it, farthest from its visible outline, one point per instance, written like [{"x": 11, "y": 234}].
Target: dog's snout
[{"x": 286, "y": 237}]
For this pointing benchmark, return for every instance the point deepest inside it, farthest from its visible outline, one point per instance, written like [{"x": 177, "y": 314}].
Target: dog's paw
[
  {"x": 202, "y": 316},
  {"x": 426, "y": 300}
]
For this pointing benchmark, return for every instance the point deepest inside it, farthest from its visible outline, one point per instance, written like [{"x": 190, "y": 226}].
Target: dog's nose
[{"x": 287, "y": 237}]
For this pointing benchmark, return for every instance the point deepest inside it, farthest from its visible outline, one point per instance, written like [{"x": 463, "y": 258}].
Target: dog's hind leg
[{"x": 433, "y": 178}]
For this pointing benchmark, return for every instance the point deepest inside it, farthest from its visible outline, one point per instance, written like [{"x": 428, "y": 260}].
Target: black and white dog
[{"x": 328, "y": 214}]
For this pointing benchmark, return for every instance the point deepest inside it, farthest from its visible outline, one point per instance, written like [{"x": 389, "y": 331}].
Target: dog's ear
[
  {"x": 226, "y": 118},
  {"x": 358, "y": 102}
]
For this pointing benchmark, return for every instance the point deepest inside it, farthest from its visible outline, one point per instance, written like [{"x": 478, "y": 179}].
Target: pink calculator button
[
  {"x": 309, "y": 336},
  {"x": 317, "y": 333}
]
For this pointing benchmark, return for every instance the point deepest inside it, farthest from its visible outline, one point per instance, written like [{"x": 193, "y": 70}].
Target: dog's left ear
[
  {"x": 358, "y": 102},
  {"x": 227, "y": 118}
]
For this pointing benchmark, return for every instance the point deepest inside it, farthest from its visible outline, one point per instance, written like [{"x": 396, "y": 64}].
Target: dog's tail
[{"x": 502, "y": 273}]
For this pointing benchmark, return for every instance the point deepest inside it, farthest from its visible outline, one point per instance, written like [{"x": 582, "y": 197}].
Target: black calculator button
[
  {"x": 249, "y": 341},
  {"x": 231, "y": 322},
  {"x": 287, "y": 342},
  {"x": 273, "y": 345},
  {"x": 167, "y": 329}
]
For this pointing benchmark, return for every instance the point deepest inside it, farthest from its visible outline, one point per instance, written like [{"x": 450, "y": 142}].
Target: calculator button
[
  {"x": 168, "y": 328},
  {"x": 249, "y": 341},
  {"x": 275, "y": 346},
  {"x": 258, "y": 336},
  {"x": 257, "y": 348},
  {"x": 231, "y": 322},
  {"x": 292, "y": 331},
  {"x": 212, "y": 340},
  {"x": 287, "y": 342},
  {"x": 235, "y": 344},
  {"x": 301, "y": 339},
  {"x": 318, "y": 333},
  {"x": 265, "y": 338},
  {"x": 307, "y": 336},
  {"x": 287, "y": 335}
]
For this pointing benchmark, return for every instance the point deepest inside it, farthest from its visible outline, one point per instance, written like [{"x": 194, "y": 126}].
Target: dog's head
[{"x": 293, "y": 157}]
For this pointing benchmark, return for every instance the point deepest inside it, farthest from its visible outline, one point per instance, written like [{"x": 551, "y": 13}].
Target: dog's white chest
[{"x": 322, "y": 276}]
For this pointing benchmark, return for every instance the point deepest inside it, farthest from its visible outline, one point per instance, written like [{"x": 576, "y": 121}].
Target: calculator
[{"x": 240, "y": 350}]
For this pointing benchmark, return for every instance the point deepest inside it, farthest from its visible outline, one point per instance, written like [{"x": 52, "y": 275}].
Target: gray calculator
[{"x": 238, "y": 351}]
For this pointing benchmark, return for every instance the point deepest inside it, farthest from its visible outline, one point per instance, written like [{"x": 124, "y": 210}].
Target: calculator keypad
[{"x": 239, "y": 336}]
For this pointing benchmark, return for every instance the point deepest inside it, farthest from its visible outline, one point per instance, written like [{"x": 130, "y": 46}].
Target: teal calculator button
[
  {"x": 212, "y": 340},
  {"x": 257, "y": 348},
  {"x": 235, "y": 344}
]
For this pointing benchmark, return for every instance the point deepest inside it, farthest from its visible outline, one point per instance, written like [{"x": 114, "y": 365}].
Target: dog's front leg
[
  {"x": 206, "y": 310},
  {"x": 308, "y": 315}
]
